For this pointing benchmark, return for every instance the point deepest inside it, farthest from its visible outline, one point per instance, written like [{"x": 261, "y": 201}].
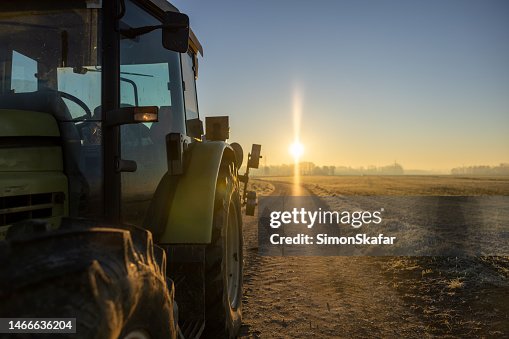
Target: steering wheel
[{"x": 79, "y": 102}]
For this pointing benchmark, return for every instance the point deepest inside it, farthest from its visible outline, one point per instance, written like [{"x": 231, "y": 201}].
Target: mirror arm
[{"x": 132, "y": 33}]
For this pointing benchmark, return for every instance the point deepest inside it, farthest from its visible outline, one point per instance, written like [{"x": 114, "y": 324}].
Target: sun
[{"x": 296, "y": 150}]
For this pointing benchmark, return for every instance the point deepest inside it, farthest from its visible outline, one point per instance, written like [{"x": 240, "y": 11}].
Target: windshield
[{"x": 50, "y": 63}]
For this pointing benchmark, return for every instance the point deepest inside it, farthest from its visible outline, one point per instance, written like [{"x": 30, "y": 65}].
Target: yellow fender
[{"x": 191, "y": 209}]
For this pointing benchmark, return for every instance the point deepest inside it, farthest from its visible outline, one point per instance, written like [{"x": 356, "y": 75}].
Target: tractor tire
[
  {"x": 111, "y": 280},
  {"x": 224, "y": 261}
]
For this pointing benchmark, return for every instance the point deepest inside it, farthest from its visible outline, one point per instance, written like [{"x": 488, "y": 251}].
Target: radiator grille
[{"x": 30, "y": 206}]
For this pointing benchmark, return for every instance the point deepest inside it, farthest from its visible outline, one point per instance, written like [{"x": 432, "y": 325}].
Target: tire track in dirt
[{"x": 313, "y": 297}]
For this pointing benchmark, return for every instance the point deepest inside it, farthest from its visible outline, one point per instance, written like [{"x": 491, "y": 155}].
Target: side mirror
[
  {"x": 254, "y": 157},
  {"x": 176, "y": 32}
]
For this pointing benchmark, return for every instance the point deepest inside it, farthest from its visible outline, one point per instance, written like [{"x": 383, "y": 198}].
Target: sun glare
[{"x": 296, "y": 150}]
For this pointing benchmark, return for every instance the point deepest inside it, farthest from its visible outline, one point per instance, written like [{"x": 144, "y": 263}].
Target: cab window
[
  {"x": 190, "y": 86},
  {"x": 23, "y": 73}
]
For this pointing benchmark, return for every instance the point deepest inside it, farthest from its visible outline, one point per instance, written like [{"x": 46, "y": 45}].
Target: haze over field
[
  {"x": 312, "y": 169},
  {"x": 422, "y": 83}
]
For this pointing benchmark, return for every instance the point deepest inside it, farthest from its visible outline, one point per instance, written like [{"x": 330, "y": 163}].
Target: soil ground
[{"x": 358, "y": 297}]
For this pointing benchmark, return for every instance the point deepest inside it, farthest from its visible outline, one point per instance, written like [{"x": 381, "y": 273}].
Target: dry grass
[
  {"x": 465, "y": 297},
  {"x": 262, "y": 188},
  {"x": 454, "y": 296},
  {"x": 402, "y": 185},
  {"x": 455, "y": 283}
]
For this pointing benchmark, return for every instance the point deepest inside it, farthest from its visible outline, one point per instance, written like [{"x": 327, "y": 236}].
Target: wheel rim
[
  {"x": 233, "y": 256},
  {"x": 137, "y": 334}
]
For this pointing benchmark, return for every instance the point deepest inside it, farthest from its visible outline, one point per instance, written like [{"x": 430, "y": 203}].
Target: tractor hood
[
  {"x": 30, "y": 141},
  {"x": 32, "y": 181}
]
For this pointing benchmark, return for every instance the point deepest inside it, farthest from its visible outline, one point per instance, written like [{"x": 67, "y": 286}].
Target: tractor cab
[{"x": 67, "y": 70}]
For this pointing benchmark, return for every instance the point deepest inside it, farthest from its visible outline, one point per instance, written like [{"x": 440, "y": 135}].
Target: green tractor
[{"x": 116, "y": 207}]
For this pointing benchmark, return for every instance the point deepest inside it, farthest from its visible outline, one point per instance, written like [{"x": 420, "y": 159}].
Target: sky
[{"x": 423, "y": 83}]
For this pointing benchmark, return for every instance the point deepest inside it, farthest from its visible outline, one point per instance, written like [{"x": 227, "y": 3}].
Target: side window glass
[
  {"x": 23, "y": 73},
  {"x": 84, "y": 85},
  {"x": 150, "y": 75},
  {"x": 145, "y": 84},
  {"x": 190, "y": 89}
]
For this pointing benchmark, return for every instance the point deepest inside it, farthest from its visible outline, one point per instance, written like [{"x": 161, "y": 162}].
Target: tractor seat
[{"x": 46, "y": 101}]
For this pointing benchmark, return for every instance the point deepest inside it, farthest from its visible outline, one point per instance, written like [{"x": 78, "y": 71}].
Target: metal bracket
[{"x": 176, "y": 144}]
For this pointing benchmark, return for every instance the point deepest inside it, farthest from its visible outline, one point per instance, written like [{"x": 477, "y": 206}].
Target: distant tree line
[
  {"x": 502, "y": 169},
  {"x": 309, "y": 168}
]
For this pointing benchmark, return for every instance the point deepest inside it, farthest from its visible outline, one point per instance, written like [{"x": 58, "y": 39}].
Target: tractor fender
[{"x": 191, "y": 209}]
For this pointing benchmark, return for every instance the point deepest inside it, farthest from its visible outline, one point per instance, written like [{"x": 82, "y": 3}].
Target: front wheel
[
  {"x": 112, "y": 280},
  {"x": 223, "y": 262}
]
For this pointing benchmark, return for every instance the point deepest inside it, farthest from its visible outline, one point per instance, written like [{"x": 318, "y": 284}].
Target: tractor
[{"x": 117, "y": 207}]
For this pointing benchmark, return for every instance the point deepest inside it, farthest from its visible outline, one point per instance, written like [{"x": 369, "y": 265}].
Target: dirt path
[
  {"x": 306, "y": 297},
  {"x": 359, "y": 297}
]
